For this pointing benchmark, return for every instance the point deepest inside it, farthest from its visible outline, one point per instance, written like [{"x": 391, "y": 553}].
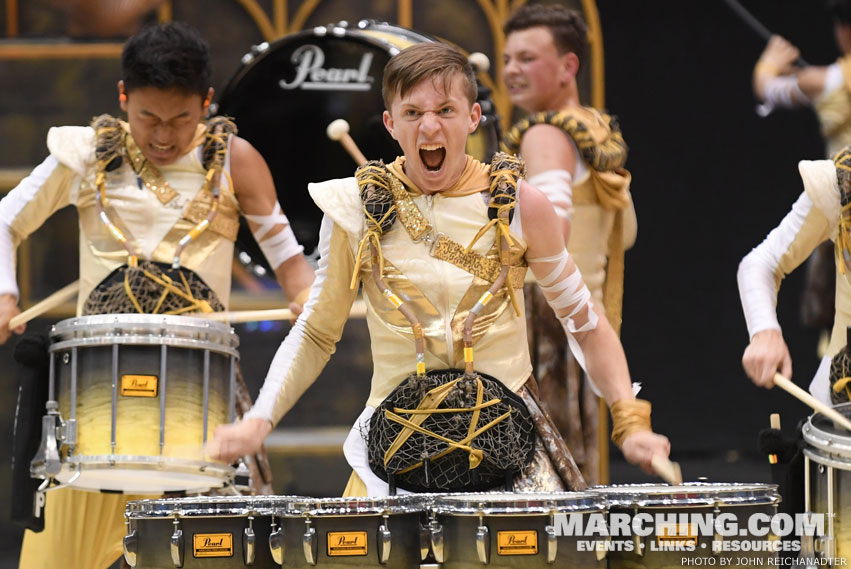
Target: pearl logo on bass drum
[{"x": 312, "y": 76}]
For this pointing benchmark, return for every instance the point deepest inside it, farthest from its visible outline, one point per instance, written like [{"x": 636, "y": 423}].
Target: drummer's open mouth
[{"x": 432, "y": 156}]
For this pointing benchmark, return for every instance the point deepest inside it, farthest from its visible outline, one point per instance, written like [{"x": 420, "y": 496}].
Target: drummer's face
[
  {"x": 431, "y": 124},
  {"x": 534, "y": 72},
  {"x": 163, "y": 122}
]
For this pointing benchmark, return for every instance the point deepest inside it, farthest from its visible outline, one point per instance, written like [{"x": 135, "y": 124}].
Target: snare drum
[
  {"x": 827, "y": 472},
  {"x": 673, "y": 531},
  {"x": 513, "y": 530},
  {"x": 216, "y": 532},
  {"x": 139, "y": 395},
  {"x": 350, "y": 532}
]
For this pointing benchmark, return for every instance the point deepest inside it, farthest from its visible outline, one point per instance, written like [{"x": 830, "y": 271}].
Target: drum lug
[
  {"x": 46, "y": 462},
  {"x": 424, "y": 542},
  {"x": 248, "y": 543},
  {"x": 131, "y": 543},
  {"x": 276, "y": 543},
  {"x": 436, "y": 534},
  {"x": 552, "y": 544},
  {"x": 176, "y": 545},
  {"x": 717, "y": 538},
  {"x": 310, "y": 544},
  {"x": 483, "y": 544},
  {"x": 384, "y": 541},
  {"x": 637, "y": 545}
]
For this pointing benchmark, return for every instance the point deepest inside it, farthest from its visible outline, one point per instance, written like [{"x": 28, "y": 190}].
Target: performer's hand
[
  {"x": 8, "y": 310},
  {"x": 765, "y": 355},
  {"x": 235, "y": 440},
  {"x": 778, "y": 57},
  {"x": 639, "y": 447}
]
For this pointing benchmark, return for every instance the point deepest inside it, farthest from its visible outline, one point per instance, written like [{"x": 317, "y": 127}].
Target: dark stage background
[{"x": 710, "y": 179}]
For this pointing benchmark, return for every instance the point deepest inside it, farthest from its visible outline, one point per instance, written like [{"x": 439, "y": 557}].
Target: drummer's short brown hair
[{"x": 422, "y": 61}]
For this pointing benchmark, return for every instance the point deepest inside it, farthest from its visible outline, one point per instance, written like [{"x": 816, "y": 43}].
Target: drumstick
[
  {"x": 339, "y": 130},
  {"x": 774, "y": 420},
  {"x": 785, "y": 384},
  {"x": 358, "y": 311},
  {"x": 666, "y": 470},
  {"x": 66, "y": 293}
]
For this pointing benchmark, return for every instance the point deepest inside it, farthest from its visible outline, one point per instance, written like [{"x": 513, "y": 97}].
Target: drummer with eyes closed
[
  {"x": 166, "y": 174},
  {"x": 440, "y": 243}
]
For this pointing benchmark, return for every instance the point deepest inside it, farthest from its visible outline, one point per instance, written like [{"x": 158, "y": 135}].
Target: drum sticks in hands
[
  {"x": 666, "y": 470},
  {"x": 339, "y": 130},
  {"x": 786, "y": 385}
]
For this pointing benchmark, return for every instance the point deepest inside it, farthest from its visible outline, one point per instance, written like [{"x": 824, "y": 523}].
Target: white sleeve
[
  {"x": 761, "y": 270},
  {"x": 557, "y": 185},
  {"x": 311, "y": 341},
  {"x": 25, "y": 208},
  {"x": 833, "y": 80},
  {"x": 784, "y": 92}
]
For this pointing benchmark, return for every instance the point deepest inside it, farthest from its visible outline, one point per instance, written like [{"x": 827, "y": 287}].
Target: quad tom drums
[{"x": 133, "y": 399}]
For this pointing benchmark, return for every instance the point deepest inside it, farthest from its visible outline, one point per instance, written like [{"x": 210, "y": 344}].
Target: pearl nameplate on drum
[
  {"x": 212, "y": 545},
  {"x": 672, "y": 534},
  {"x": 311, "y": 76},
  {"x": 346, "y": 543},
  {"x": 517, "y": 542},
  {"x": 139, "y": 385}
]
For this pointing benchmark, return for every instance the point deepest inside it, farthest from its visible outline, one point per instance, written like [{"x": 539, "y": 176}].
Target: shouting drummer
[
  {"x": 440, "y": 244},
  {"x": 159, "y": 198}
]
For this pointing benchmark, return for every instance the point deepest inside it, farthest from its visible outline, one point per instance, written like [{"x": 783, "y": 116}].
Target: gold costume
[
  {"x": 834, "y": 111},
  {"x": 84, "y": 530}
]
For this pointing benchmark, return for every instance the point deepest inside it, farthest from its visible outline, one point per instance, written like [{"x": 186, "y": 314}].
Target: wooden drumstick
[
  {"x": 66, "y": 293},
  {"x": 774, "y": 421},
  {"x": 666, "y": 470},
  {"x": 358, "y": 310},
  {"x": 786, "y": 384},
  {"x": 339, "y": 130}
]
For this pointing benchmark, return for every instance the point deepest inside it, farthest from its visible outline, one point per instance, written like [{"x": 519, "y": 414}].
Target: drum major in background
[
  {"x": 510, "y": 530},
  {"x": 287, "y": 92},
  {"x": 739, "y": 500},
  {"x": 140, "y": 394},
  {"x": 827, "y": 484}
]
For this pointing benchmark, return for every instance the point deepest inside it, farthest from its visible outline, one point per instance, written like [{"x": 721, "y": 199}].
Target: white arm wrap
[
  {"x": 557, "y": 185},
  {"x": 784, "y": 91},
  {"x": 567, "y": 295},
  {"x": 756, "y": 275},
  {"x": 281, "y": 246}
]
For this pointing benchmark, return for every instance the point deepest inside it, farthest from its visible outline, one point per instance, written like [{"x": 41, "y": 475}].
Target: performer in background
[
  {"x": 827, "y": 90},
  {"x": 163, "y": 173},
  {"x": 575, "y": 155},
  {"x": 440, "y": 243}
]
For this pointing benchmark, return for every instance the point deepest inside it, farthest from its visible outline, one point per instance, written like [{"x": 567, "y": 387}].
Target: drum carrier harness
[
  {"x": 143, "y": 286},
  {"x": 446, "y": 430}
]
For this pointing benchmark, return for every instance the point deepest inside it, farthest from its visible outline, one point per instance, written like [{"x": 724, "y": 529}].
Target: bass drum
[{"x": 287, "y": 92}]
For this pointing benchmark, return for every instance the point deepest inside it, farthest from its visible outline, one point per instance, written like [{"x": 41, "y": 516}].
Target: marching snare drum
[
  {"x": 512, "y": 530},
  {"x": 287, "y": 92},
  {"x": 216, "y": 532},
  {"x": 673, "y": 535},
  {"x": 139, "y": 395},
  {"x": 386, "y": 532},
  {"x": 827, "y": 473}
]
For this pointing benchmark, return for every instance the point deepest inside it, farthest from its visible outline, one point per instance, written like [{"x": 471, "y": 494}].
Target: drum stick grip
[
  {"x": 792, "y": 389},
  {"x": 666, "y": 470},
  {"x": 66, "y": 293}
]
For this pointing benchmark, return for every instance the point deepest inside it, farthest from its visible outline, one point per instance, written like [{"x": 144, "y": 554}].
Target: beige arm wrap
[{"x": 629, "y": 416}]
